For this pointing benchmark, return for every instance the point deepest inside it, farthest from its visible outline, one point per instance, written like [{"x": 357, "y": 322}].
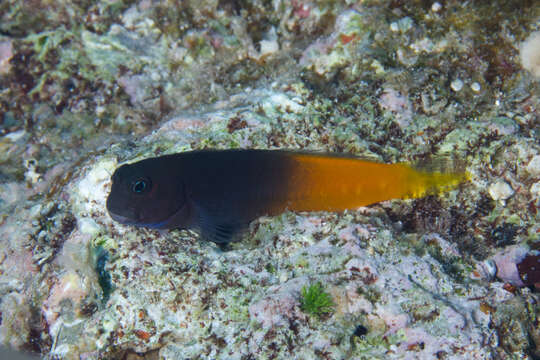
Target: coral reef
[{"x": 88, "y": 85}]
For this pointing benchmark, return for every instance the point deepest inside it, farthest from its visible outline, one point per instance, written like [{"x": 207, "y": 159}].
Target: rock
[
  {"x": 533, "y": 167},
  {"x": 500, "y": 191}
]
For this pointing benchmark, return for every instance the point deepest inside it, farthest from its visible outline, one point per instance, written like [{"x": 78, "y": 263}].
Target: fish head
[{"x": 146, "y": 193}]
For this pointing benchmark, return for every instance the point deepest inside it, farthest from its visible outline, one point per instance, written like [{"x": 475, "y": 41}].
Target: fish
[{"x": 219, "y": 192}]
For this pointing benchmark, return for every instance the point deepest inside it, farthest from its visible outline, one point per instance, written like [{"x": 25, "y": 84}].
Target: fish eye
[{"x": 140, "y": 186}]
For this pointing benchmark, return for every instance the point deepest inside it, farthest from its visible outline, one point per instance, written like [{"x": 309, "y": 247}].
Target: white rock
[
  {"x": 16, "y": 135},
  {"x": 269, "y": 44},
  {"x": 500, "y": 191},
  {"x": 456, "y": 85},
  {"x": 89, "y": 226},
  {"x": 89, "y": 186},
  {"x": 535, "y": 189},
  {"x": 529, "y": 53},
  {"x": 534, "y": 166}
]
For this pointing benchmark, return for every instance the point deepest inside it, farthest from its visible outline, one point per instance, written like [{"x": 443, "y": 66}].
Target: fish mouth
[{"x": 122, "y": 219}]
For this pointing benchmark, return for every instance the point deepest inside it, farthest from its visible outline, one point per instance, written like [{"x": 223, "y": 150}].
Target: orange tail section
[{"x": 327, "y": 183}]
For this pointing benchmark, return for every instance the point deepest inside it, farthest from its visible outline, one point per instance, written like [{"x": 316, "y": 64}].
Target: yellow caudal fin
[{"x": 438, "y": 175}]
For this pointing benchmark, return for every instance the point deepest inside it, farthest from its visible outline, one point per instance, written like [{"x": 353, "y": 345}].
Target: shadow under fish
[{"x": 219, "y": 192}]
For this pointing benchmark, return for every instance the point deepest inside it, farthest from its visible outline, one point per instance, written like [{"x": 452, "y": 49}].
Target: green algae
[
  {"x": 237, "y": 302},
  {"x": 375, "y": 344},
  {"x": 102, "y": 256},
  {"x": 315, "y": 300},
  {"x": 370, "y": 293}
]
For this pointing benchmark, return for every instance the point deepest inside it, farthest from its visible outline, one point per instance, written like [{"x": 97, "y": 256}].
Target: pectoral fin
[{"x": 218, "y": 229}]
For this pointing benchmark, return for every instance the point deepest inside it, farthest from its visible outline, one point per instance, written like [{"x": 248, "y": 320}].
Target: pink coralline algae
[
  {"x": 279, "y": 307},
  {"x": 518, "y": 266},
  {"x": 397, "y": 103},
  {"x": 6, "y": 53},
  {"x": 301, "y": 9}
]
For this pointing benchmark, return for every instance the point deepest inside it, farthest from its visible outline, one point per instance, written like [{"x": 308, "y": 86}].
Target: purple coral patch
[{"x": 529, "y": 269}]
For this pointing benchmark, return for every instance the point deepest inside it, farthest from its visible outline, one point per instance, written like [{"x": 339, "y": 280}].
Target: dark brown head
[{"x": 146, "y": 193}]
